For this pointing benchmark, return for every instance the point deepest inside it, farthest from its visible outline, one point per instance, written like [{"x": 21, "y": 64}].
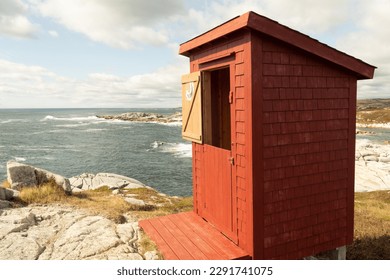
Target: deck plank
[
  {"x": 184, "y": 238},
  {"x": 204, "y": 240},
  {"x": 187, "y": 236},
  {"x": 171, "y": 240},
  {"x": 226, "y": 248},
  {"x": 201, "y": 244},
  {"x": 164, "y": 248}
]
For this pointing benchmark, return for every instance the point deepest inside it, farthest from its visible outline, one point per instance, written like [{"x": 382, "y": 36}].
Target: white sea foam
[
  {"x": 183, "y": 150},
  {"x": 156, "y": 144},
  {"x": 88, "y": 118},
  {"x": 95, "y": 129},
  {"x": 374, "y": 125},
  {"x": 178, "y": 123},
  {"x": 13, "y": 120},
  {"x": 19, "y": 158},
  {"x": 72, "y": 125}
]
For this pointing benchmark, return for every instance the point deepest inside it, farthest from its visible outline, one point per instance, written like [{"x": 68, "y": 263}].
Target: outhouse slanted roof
[{"x": 283, "y": 33}]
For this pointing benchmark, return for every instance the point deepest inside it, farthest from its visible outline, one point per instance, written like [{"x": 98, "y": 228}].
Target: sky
[{"x": 124, "y": 53}]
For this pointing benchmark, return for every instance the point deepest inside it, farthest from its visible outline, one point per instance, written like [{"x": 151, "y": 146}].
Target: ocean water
[
  {"x": 74, "y": 141},
  {"x": 378, "y": 135}
]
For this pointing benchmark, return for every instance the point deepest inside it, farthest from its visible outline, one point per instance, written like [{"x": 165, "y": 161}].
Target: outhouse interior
[{"x": 271, "y": 114}]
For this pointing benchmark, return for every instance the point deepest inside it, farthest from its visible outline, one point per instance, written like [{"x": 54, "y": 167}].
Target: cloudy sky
[{"x": 124, "y": 53}]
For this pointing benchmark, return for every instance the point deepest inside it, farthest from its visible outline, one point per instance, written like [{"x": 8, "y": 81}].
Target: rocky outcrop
[
  {"x": 372, "y": 166},
  {"x": 145, "y": 117},
  {"x": 55, "y": 232},
  {"x": 5, "y": 196},
  {"x": 88, "y": 181},
  {"x": 21, "y": 175}
]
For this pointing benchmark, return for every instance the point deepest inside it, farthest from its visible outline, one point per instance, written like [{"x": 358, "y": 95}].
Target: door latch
[
  {"x": 231, "y": 97},
  {"x": 231, "y": 160}
]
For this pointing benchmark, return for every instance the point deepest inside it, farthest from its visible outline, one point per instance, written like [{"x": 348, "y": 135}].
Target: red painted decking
[{"x": 186, "y": 236}]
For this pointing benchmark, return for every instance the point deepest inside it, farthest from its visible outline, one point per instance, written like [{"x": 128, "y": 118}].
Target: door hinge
[
  {"x": 231, "y": 160},
  {"x": 231, "y": 97}
]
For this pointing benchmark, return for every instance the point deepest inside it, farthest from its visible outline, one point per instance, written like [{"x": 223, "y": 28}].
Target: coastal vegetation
[
  {"x": 103, "y": 202},
  {"x": 372, "y": 227},
  {"x": 373, "y": 111}
]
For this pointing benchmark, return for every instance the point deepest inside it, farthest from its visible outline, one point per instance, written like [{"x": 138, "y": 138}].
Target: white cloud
[
  {"x": 13, "y": 20},
  {"x": 357, "y": 27},
  {"x": 34, "y": 86},
  {"x": 118, "y": 23},
  {"x": 310, "y": 17},
  {"x": 360, "y": 25},
  {"x": 369, "y": 41},
  {"x": 53, "y": 33}
]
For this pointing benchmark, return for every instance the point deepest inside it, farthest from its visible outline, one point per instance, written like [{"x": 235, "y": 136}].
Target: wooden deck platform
[{"x": 186, "y": 236}]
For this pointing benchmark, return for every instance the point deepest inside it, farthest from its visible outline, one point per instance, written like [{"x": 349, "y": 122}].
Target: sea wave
[
  {"x": 374, "y": 125},
  {"x": 13, "y": 120},
  {"x": 178, "y": 123},
  {"x": 95, "y": 129},
  {"x": 20, "y": 158},
  {"x": 72, "y": 125},
  {"x": 78, "y": 119},
  {"x": 182, "y": 150}
]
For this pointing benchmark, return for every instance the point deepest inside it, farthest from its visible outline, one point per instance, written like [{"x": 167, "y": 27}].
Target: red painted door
[
  {"x": 217, "y": 206},
  {"x": 217, "y": 197}
]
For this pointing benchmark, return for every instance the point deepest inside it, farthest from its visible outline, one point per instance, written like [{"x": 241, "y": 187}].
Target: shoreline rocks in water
[{"x": 145, "y": 117}]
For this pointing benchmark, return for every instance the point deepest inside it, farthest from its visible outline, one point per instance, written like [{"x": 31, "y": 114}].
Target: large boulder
[
  {"x": 55, "y": 232},
  {"x": 6, "y": 194},
  {"x": 21, "y": 175},
  {"x": 88, "y": 181}
]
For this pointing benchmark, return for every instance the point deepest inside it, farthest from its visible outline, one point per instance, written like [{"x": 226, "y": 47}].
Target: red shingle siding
[
  {"x": 305, "y": 152},
  {"x": 240, "y": 148}
]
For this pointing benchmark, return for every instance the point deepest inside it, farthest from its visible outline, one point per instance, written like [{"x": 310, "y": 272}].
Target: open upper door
[{"x": 191, "y": 95}]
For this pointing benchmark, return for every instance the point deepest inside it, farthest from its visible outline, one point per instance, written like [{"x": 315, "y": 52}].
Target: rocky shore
[
  {"x": 145, "y": 117},
  {"x": 59, "y": 231}
]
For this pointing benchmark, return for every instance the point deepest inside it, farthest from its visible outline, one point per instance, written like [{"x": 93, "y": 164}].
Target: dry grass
[
  {"x": 46, "y": 193},
  {"x": 5, "y": 184},
  {"x": 372, "y": 226},
  {"x": 102, "y": 202},
  {"x": 146, "y": 244},
  {"x": 373, "y": 116},
  {"x": 165, "y": 204}
]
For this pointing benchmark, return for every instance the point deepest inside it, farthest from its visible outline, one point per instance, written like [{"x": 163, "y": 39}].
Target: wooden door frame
[{"x": 210, "y": 65}]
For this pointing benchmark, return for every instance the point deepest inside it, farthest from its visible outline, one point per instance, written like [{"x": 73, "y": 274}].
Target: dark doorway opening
[{"x": 216, "y": 108}]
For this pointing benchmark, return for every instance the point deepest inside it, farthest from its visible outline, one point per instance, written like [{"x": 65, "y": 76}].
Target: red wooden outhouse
[{"x": 271, "y": 114}]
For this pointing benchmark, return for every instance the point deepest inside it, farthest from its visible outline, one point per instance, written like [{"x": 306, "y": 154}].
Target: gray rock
[
  {"x": 134, "y": 186},
  {"x": 151, "y": 255},
  {"x": 58, "y": 232},
  {"x": 135, "y": 201},
  {"x": 2, "y": 194},
  {"x": 384, "y": 159},
  {"x": 370, "y": 158},
  {"x": 7, "y": 194},
  {"x": 21, "y": 175},
  {"x": 89, "y": 181},
  {"x": 5, "y": 204},
  {"x": 145, "y": 117},
  {"x": 44, "y": 175}
]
